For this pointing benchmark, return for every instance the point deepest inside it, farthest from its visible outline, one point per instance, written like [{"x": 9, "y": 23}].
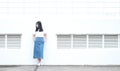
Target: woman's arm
[
  {"x": 45, "y": 36},
  {"x": 33, "y": 37}
]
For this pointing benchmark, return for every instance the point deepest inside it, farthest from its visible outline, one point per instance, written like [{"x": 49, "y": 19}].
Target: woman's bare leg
[{"x": 39, "y": 60}]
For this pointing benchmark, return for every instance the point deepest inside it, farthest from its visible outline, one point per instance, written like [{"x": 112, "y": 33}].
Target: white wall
[
  {"x": 58, "y": 20},
  {"x": 52, "y": 55}
]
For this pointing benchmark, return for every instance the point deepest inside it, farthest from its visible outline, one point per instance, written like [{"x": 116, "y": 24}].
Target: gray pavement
[{"x": 61, "y": 68}]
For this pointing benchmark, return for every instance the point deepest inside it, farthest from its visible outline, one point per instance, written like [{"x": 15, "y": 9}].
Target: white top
[{"x": 39, "y": 34}]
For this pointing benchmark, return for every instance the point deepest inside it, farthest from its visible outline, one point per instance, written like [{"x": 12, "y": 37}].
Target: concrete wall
[{"x": 58, "y": 20}]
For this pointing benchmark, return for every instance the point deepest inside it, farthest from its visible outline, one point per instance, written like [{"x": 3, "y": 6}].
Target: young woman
[{"x": 38, "y": 37}]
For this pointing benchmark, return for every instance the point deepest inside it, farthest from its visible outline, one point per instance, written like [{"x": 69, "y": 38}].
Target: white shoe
[{"x": 39, "y": 64}]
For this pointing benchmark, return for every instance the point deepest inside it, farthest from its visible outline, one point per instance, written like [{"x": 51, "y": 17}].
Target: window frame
[
  {"x": 6, "y": 41},
  {"x": 88, "y": 38}
]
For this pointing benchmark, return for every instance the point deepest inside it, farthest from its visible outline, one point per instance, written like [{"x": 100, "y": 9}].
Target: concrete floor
[{"x": 61, "y": 68}]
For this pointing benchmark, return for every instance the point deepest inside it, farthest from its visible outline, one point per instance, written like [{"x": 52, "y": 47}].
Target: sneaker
[{"x": 39, "y": 64}]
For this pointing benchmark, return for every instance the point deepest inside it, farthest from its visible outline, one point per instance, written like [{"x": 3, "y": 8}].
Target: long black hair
[{"x": 39, "y": 26}]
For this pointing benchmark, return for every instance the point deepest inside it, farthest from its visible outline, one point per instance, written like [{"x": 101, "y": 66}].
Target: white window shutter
[
  {"x": 110, "y": 41},
  {"x": 64, "y": 41},
  {"x": 95, "y": 41},
  {"x": 79, "y": 41},
  {"x": 87, "y": 40},
  {"x": 2, "y": 41},
  {"x": 13, "y": 41}
]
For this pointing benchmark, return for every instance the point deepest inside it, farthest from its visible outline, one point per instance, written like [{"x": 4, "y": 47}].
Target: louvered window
[
  {"x": 79, "y": 41},
  {"x": 95, "y": 41},
  {"x": 88, "y": 41},
  {"x": 13, "y": 41},
  {"x": 64, "y": 41},
  {"x": 111, "y": 41},
  {"x": 2, "y": 41}
]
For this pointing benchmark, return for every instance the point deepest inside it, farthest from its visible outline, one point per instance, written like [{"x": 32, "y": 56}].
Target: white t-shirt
[{"x": 39, "y": 34}]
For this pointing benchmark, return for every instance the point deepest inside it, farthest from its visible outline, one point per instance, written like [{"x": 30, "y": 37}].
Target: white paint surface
[{"x": 58, "y": 20}]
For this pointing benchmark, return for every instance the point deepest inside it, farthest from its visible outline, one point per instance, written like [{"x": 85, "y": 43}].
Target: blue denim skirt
[{"x": 38, "y": 47}]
